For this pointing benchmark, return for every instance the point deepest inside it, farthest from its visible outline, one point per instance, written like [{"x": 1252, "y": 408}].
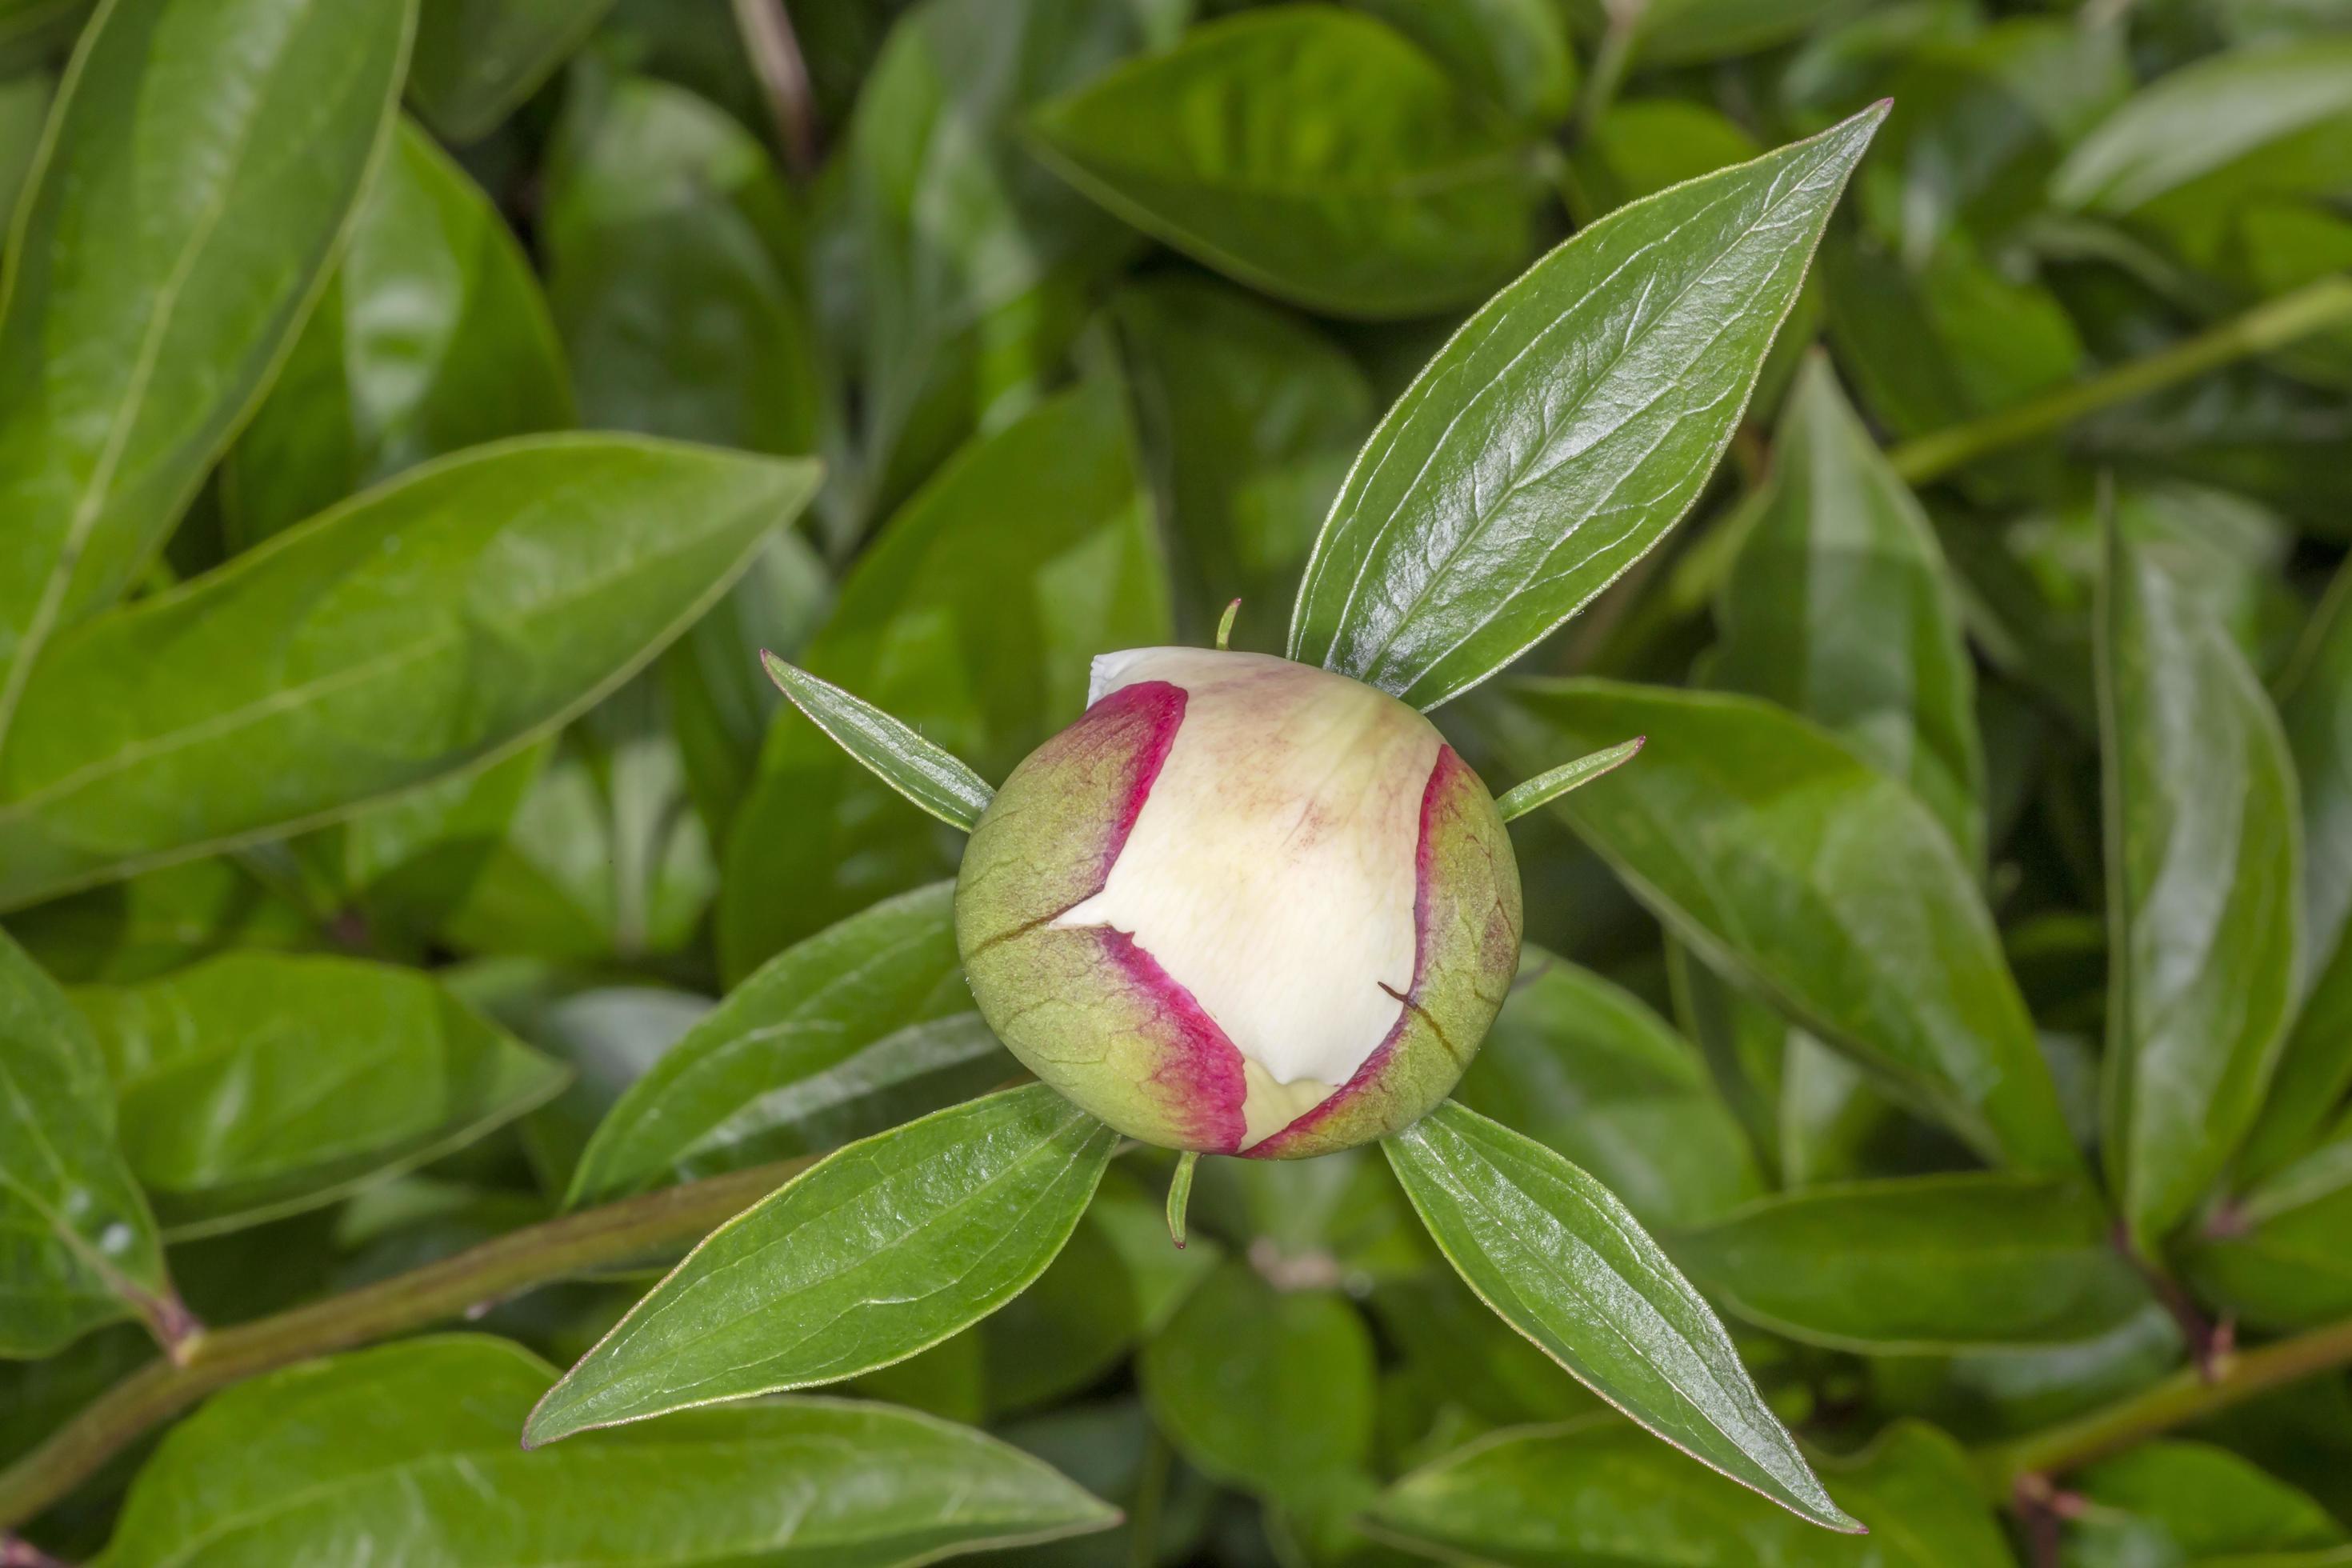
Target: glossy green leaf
[
  {"x": 1594, "y": 1493},
  {"x": 1267, "y": 1390},
  {"x": 1785, "y": 859},
  {"x": 1249, "y": 417},
  {"x": 2207, "y": 1503},
  {"x": 1308, "y": 151},
  {"x": 431, "y": 336},
  {"x": 971, "y": 620},
  {"x": 2316, "y": 1065},
  {"x": 845, "y": 1035},
  {"x": 1553, "y": 782},
  {"x": 78, "y": 1248},
  {"x": 140, "y": 321},
  {"x": 432, "y": 622},
  {"x": 873, "y": 1253},
  {"x": 2203, "y": 888},
  {"x": 1516, "y": 53},
  {"x": 407, "y": 1453},
  {"x": 1565, "y": 428},
  {"x": 256, "y": 1085},
  {"x": 961, "y": 266},
  {"x": 1564, "y": 1262},
  {"x": 935, "y": 781},
  {"x": 1587, "y": 1069},
  {"x": 1839, "y": 608},
  {"x": 676, "y": 262},
  {"x": 2276, "y": 1258},
  {"x": 478, "y": 60},
  {"x": 1977, "y": 1261}
]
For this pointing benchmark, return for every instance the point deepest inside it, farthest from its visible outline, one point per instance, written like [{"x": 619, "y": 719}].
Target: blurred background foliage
[{"x": 1087, "y": 306}]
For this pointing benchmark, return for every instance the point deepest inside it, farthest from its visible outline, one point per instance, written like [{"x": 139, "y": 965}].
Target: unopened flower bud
[{"x": 1241, "y": 906}]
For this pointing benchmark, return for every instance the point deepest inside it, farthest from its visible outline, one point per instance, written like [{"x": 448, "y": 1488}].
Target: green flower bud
[{"x": 1241, "y": 906}]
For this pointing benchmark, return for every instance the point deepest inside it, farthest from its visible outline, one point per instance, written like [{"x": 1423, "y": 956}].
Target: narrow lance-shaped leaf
[
  {"x": 407, "y": 1454},
  {"x": 1310, "y": 152},
  {"x": 1561, "y": 1260},
  {"x": 1547, "y": 787},
  {"x": 1821, "y": 884},
  {"x": 860, "y": 1028},
  {"x": 1981, "y": 1259},
  {"x": 933, "y": 779},
  {"x": 1565, "y": 428},
  {"x": 166, "y": 252},
  {"x": 77, "y": 1246},
  {"x": 877, "y": 1252},
  {"x": 2203, "y": 893},
  {"x": 1840, "y": 607},
  {"x": 435, "y": 621},
  {"x": 262, "y": 1084}
]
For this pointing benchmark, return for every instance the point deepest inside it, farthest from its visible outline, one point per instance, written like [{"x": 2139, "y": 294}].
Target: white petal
[{"x": 1272, "y": 870}]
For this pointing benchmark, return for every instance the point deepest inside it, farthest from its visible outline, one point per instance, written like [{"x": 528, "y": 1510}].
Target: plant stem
[
  {"x": 505, "y": 1265},
  {"x": 2186, "y": 1397},
  {"x": 2272, "y": 325},
  {"x": 775, "y": 56}
]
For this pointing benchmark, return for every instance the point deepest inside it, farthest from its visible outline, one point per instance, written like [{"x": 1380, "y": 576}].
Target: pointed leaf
[
  {"x": 1594, "y": 1492},
  {"x": 2276, "y": 1258},
  {"x": 77, "y": 1246},
  {"x": 871, "y": 1255},
  {"x": 140, "y": 320},
  {"x": 1565, "y": 428},
  {"x": 1308, "y": 151},
  {"x": 1783, "y": 858},
  {"x": 431, "y": 336},
  {"x": 407, "y": 1454},
  {"x": 1547, "y": 787},
  {"x": 1561, "y": 1260},
  {"x": 257, "y": 1085},
  {"x": 1974, "y": 1260},
  {"x": 1840, "y": 607},
  {"x": 933, "y": 779},
  {"x": 2204, "y": 884},
  {"x": 860, "y": 1028},
  {"x": 426, "y": 624}
]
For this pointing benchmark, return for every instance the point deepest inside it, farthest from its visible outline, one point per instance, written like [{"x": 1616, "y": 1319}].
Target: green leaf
[
  {"x": 1270, "y": 1391},
  {"x": 1641, "y": 147},
  {"x": 848, "y": 1034},
  {"x": 77, "y": 1243},
  {"x": 478, "y": 60},
  {"x": 139, "y": 319},
  {"x": 1516, "y": 53},
  {"x": 25, "y": 100},
  {"x": 2207, "y": 1501},
  {"x": 970, "y": 620},
  {"x": 407, "y": 1453},
  {"x": 1682, "y": 32},
  {"x": 1469, "y": 530},
  {"x": 1250, "y": 416},
  {"x": 1548, "y": 786},
  {"x": 1595, "y": 1493},
  {"x": 1585, "y": 1067},
  {"x": 431, "y": 336},
  {"x": 2316, "y": 1065},
  {"x": 257, "y": 1085},
  {"x": 1974, "y": 1260},
  {"x": 935, "y": 781},
  {"x": 1839, "y": 608},
  {"x": 873, "y": 1253},
  {"x": 960, "y": 265},
  {"x": 1561, "y": 1260},
  {"x": 676, "y": 262},
  {"x": 2203, "y": 887},
  {"x": 1825, "y": 887},
  {"x": 1744, "y": 1044},
  {"x": 435, "y": 621},
  {"x": 2276, "y": 1258},
  {"x": 1310, "y": 153},
  {"x": 151, "y": 924}
]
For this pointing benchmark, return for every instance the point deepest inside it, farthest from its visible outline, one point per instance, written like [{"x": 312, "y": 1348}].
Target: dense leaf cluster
[{"x": 1894, "y": 549}]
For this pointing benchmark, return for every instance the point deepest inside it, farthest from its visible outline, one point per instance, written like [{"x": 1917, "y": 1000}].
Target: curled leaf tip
[{"x": 1225, "y": 625}]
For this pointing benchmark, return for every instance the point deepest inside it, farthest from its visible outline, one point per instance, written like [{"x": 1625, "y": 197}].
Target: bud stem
[{"x": 1180, "y": 1187}]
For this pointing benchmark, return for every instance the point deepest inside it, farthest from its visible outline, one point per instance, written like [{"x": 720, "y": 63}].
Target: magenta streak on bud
[{"x": 1199, "y": 1067}]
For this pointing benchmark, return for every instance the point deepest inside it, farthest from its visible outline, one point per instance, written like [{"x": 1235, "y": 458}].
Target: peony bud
[{"x": 1241, "y": 906}]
